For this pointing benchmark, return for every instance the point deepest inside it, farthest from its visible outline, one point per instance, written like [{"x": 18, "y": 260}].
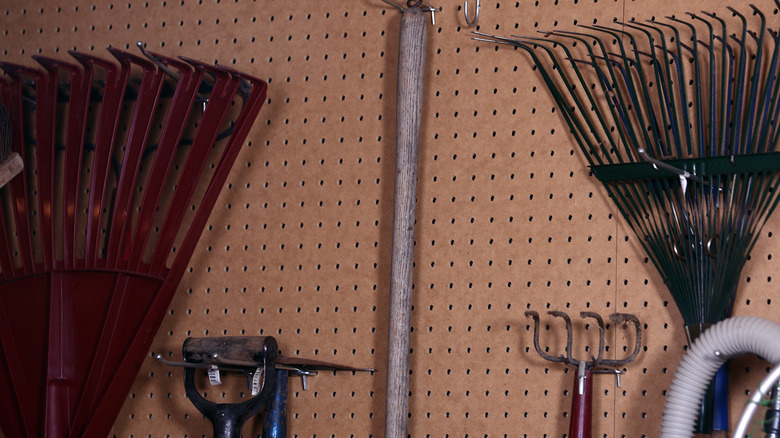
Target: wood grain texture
[
  {"x": 411, "y": 76},
  {"x": 11, "y": 167}
]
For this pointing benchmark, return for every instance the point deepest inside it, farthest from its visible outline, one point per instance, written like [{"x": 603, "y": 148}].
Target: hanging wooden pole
[{"x": 411, "y": 66}]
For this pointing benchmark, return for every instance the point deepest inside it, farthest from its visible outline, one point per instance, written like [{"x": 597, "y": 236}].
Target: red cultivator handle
[
  {"x": 582, "y": 403},
  {"x": 582, "y": 399}
]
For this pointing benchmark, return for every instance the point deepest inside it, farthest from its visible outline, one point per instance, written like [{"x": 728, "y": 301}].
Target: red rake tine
[
  {"x": 18, "y": 186},
  {"x": 113, "y": 344},
  {"x": 108, "y": 406},
  {"x": 105, "y": 137},
  {"x": 254, "y": 101},
  {"x": 173, "y": 128},
  {"x": 6, "y": 256},
  {"x": 16, "y": 355},
  {"x": 80, "y": 86},
  {"x": 143, "y": 112},
  {"x": 224, "y": 90}
]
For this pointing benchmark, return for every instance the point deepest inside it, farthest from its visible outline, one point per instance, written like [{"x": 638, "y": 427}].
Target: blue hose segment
[{"x": 720, "y": 412}]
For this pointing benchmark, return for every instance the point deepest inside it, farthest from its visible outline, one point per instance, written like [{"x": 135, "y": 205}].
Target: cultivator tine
[
  {"x": 598, "y": 359},
  {"x": 600, "y": 322},
  {"x": 623, "y": 318},
  {"x": 539, "y": 350},
  {"x": 569, "y": 336}
]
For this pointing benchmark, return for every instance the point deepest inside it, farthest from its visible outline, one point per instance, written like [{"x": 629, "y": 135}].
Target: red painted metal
[
  {"x": 94, "y": 238},
  {"x": 582, "y": 405}
]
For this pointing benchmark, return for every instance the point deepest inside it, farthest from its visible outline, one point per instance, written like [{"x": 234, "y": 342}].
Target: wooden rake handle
[{"x": 11, "y": 167}]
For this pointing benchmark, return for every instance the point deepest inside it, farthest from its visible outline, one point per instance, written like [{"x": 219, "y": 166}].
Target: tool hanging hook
[
  {"x": 471, "y": 23},
  {"x": 417, "y": 4},
  {"x": 172, "y": 74}
]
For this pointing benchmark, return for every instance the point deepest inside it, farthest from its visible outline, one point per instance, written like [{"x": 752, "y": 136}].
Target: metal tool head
[
  {"x": 232, "y": 352},
  {"x": 598, "y": 359}
]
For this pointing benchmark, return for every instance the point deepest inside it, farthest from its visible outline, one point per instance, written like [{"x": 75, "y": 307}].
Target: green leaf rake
[{"x": 679, "y": 121}]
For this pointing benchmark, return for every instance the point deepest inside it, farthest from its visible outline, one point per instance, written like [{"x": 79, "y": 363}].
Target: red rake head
[{"x": 122, "y": 167}]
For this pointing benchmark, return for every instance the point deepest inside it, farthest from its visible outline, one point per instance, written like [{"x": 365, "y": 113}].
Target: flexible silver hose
[{"x": 725, "y": 340}]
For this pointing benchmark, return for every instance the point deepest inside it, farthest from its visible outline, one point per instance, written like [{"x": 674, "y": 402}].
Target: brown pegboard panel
[{"x": 508, "y": 219}]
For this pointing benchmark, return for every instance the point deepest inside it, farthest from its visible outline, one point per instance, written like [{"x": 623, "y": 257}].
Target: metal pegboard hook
[
  {"x": 172, "y": 74},
  {"x": 417, "y": 4},
  {"x": 471, "y": 23}
]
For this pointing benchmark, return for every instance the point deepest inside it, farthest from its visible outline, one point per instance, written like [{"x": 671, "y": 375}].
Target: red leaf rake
[{"x": 123, "y": 163}]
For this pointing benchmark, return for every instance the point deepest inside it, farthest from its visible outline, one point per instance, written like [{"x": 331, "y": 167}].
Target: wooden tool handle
[
  {"x": 223, "y": 349},
  {"x": 411, "y": 64},
  {"x": 582, "y": 406},
  {"x": 11, "y": 167}
]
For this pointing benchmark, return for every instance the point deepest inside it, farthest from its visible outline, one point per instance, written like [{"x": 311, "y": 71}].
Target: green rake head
[{"x": 679, "y": 119}]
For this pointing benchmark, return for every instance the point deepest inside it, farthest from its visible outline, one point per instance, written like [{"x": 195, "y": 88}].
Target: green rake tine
[
  {"x": 666, "y": 109},
  {"x": 767, "y": 102},
  {"x": 672, "y": 227},
  {"x": 697, "y": 81},
  {"x": 671, "y": 231},
  {"x": 537, "y": 42},
  {"x": 741, "y": 94},
  {"x": 728, "y": 148},
  {"x": 766, "y": 201},
  {"x": 775, "y": 136},
  {"x": 663, "y": 103},
  {"x": 753, "y": 98},
  {"x": 669, "y": 89},
  {"x": 614, "y": 84},
  {"x": 681, "y": 84},
  {"x": 630, "y": 86},
  {"x": 576, "y": 129},
  {"x": 713, "y": 94},
  {"x": 603, "y": 81},
  {"x": 625, "y": 117},
  {"x": 635, "y": 103},
  {"x": 771, "y": 88},
  {"x": 723, "y": 87},
  {"x": 739, "y": 84},
  {"x": 648, "y": 105},
  {"x": 697, "y": 108},
  {"x": 627, "y": 63}
]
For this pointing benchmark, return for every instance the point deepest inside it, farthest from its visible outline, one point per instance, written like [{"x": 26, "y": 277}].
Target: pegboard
[{"x": 508, "y": 219}]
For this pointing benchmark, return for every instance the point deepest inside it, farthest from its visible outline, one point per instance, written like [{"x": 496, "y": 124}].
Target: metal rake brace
[{"x": 580, "y": 426}]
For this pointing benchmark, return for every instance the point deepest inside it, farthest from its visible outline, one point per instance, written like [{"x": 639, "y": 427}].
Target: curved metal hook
[
  {"x": 471, "y": 23},
  {"x": 544, "y": 355},
  {"x": 621, "y": 318},
  {"x": 568, "y": 358},
  {"x": 600, "y": 322}
]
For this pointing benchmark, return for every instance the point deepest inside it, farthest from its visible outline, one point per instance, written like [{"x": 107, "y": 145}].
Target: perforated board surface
[{"x": 508, "y": 219}]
